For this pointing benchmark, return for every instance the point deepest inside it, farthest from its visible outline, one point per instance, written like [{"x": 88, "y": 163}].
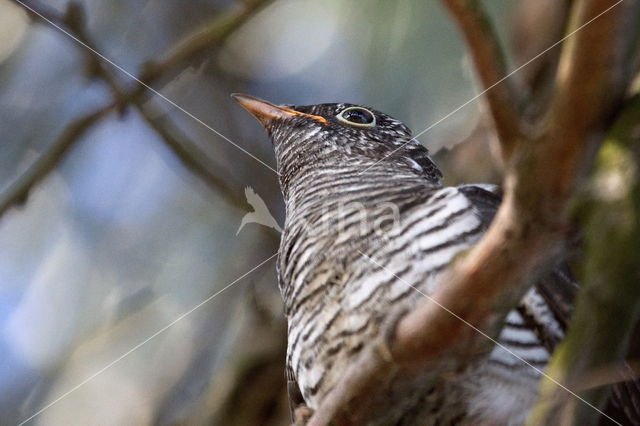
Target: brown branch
[
  {"x": 479, "y": 290},
  {"x": 18, "y": 191},
  {"x": 504, "y": 100},
  {"x": 526, "y": 237},
  {"x": 537, "y": 25},
  {"x": 609, "y": 302},
  {"x": 593, "y": 76}
]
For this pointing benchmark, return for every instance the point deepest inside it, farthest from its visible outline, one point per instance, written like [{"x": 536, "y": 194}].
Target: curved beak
[{"x": 267, "y": 112}]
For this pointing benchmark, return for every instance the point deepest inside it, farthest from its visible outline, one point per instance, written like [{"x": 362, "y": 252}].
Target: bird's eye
[{"x": 358, "y": 117}]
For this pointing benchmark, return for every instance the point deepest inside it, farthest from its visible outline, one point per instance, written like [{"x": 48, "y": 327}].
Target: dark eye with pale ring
[{"x": 357, "y": 117}]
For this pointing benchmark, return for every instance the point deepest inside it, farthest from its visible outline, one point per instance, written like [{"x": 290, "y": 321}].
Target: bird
[
  {"x": 369, "y": 226},
  {"x": 260, "y": 214}
]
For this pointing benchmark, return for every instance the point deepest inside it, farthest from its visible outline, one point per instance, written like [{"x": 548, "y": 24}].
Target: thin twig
[
  {"x": 18, "y": 191},
  {"x": 211, "y": 34},
  {"x": 536, "y": 25},
  {"x": 188, "y": 153},
  {"x": 73, "y": 20},
  {"x": 503, "y": 99}
]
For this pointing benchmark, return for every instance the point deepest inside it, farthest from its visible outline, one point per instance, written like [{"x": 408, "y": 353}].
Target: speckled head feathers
[{"x": 339, "y": 135}]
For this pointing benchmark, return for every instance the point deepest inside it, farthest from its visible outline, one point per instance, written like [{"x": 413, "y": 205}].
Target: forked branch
[
  {"x": 18, "y": 191},
  {"x": 526, "y": 238},
  {"x": 73, "y": 21}
]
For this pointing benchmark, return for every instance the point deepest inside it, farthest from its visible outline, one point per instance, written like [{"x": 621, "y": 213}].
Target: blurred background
[{"x": 120, "y": 209}]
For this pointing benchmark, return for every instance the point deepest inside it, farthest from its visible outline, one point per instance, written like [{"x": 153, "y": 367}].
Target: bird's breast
[{"x": 341, "y": 284}]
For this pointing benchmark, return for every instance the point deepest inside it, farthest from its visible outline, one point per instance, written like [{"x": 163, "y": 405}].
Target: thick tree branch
[
  {"x": 479, "y": 290},
  {"x": 504, "y": 100},
  {"x": 593, "y": 76},
  {"x": 609, "y": 302},
  {"x": 526, "y": 237}
]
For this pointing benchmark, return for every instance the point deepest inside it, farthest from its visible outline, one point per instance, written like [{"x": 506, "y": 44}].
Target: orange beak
[{"x": 267, "y": 112}]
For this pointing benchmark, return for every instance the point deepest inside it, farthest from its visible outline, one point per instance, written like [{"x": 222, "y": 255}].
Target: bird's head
[{"x": 340, "y": 136}]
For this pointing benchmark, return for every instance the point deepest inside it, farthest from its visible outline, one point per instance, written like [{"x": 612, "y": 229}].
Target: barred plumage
[
  {"x": 337, "y": 300},
  {"x": 362, "y": 190}
]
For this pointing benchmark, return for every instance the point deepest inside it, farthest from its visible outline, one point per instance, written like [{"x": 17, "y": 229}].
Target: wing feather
[{"x": 558, "y": 290}]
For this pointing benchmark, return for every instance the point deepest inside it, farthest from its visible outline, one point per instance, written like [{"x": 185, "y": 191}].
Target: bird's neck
[{"x": 318, "y": 195}]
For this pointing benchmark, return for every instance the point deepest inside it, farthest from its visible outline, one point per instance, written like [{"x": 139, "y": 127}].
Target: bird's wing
[
  {"x": 558, "y": 291},
  {"x": 255, "y": 200},
  {"x": 486, "y": 200},
  {"x": 249, "y": 192},
  {"x": 545, "y": 310}
]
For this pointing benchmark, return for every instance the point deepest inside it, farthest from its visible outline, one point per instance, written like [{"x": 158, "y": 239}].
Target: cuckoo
[{"x": 369, "y": 227}]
